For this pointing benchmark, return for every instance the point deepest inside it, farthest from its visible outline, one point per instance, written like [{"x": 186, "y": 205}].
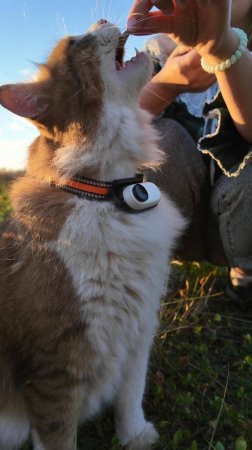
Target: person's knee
[
  {"x": 183, "y": 175},
  {"x": 173, "y": 134},
  {"x": 229, "y": 191}
]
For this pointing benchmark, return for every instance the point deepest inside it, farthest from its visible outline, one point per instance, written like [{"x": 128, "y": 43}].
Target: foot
[
  {"x": 239, "y": 293},
  {"x": 239, "y": 286},
  {"x": 145, "y": 440}
]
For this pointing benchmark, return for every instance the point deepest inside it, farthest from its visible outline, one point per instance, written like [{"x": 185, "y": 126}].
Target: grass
[
  {"x": 5, "y": 207},
  {"x": 199, "y": 387}
]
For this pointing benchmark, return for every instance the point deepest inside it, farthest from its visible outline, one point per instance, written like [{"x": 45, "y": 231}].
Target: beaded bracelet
[{"x": 233, "y": 59}]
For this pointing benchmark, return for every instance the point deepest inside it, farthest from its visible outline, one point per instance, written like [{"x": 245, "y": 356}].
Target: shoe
[
  {"x": 239, "y": 293},
  {"x": 241, "y": 299}
]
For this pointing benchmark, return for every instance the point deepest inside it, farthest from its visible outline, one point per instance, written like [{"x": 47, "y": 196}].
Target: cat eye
[{"x": 71, "y": 42}]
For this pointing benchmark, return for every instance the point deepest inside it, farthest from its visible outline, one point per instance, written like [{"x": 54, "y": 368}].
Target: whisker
[
  {"x": 154, "y": 93},
  {"x": 96, "y": 10},
  {"x": 148, "y": 18},
  {"x": 103, "y": 10},
  {"x": 109, "y": 9}
]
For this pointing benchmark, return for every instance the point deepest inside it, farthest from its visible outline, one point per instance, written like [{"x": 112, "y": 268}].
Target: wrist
[
  {"x": 223, "y": 64},
  {"x": 216, "y": 52}
]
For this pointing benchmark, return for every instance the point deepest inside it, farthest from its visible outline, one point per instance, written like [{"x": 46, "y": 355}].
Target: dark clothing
[{"x": 219, "y": 215}]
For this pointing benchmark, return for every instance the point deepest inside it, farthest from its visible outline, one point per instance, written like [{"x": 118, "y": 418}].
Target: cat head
[
  {"x": 79, "y": 100},
  {"x": 71, "y": 88}
]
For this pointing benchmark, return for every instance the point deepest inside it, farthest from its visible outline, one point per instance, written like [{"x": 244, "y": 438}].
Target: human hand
[
  {"x": 183, "y": 72},
  {"x": 201, "y": 24}
]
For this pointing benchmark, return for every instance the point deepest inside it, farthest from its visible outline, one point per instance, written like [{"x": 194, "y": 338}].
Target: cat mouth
[
  {"x": 120, "y": 51},
  {"x": 119, "y": 55}
]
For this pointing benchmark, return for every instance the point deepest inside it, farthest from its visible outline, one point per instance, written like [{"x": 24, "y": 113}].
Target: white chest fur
[{"x": 118, "y": 262}]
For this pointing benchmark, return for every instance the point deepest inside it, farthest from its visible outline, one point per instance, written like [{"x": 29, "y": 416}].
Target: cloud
[
  {"x": 24, "y": 122},
  {"x": 20, "y": 125},
  {"x": 15, "y": 126},
  {"x": 27, "y": 73},
  {"x": 13, "y": 154}
]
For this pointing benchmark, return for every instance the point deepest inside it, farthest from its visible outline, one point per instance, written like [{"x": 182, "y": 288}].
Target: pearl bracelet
[{"x": 233, "y": 59}]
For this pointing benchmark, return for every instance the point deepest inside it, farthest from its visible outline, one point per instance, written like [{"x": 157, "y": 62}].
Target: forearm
[
  {"x": 235, "y": 85},
  {"x": 157, "y": 95},
  {"x": 206, "y": 27}
]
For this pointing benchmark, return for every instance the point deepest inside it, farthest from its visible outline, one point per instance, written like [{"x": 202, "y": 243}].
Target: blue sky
[{"x": 28, "y": 31}]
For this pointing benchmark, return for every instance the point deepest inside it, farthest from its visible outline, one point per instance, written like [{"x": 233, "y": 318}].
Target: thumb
[
  {"x": 189, "y": 55},
  {"x": 193, "y": 58}
]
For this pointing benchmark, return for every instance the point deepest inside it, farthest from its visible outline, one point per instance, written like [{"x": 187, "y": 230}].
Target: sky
[{"x": 29, "y": 29}]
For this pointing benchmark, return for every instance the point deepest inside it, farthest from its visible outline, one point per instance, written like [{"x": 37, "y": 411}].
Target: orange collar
[
  {"x": 85, "y": 187},
  {"x": 98, "y": 190}
]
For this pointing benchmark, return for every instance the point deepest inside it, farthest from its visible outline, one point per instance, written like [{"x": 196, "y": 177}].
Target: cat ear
[{"x": 23, "y": 99}]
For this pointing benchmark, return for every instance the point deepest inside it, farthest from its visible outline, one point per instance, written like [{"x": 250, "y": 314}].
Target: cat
[{"x": 81, "y": 275}]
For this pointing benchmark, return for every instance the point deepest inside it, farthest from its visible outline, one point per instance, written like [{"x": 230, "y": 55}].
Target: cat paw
[{"x": 145, "y": 440}]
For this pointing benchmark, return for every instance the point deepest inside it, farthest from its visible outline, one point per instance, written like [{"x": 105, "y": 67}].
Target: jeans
[{"x": 219, "y": 215}]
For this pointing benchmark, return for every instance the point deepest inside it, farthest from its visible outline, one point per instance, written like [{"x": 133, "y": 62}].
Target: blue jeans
[{"x": 219, "y": 215}]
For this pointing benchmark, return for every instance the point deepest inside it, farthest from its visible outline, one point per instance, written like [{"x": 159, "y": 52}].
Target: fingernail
[{"x": 131, "y": 23}]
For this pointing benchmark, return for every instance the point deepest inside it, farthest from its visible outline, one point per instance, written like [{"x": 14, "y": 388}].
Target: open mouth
[
  {"x": 119, "y": 61},
  {"x": 120, "y": 51}
]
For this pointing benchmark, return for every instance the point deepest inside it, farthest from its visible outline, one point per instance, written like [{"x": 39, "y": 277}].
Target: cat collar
[{"x": 130, "y": 194}]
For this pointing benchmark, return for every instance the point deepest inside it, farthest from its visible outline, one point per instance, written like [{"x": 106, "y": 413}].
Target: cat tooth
[
  {"x": 137, "y": 51},
  {"x": 123, "y": 38},
  {"x": 118, "y": 65}
]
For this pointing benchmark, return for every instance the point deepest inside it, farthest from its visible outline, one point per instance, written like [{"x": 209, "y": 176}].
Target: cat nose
[
  {"x": 98, "y": 25},
  {"x": 102, "y": 21}
]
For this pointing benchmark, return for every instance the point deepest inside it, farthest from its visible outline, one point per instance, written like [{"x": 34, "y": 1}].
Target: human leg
[
  {"x": 184, "y": 177},
  {"x": 231, "y": 203}
]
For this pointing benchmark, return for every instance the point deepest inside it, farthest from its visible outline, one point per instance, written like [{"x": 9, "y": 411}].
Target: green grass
[
  {"x": 199, "y": 387},
  {"x": 5, "y": 207}
]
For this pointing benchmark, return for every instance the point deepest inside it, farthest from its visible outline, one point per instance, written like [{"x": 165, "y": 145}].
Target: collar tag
[
  {"x": 141, "y": 196},
  {"x": 134, "y": 195}
]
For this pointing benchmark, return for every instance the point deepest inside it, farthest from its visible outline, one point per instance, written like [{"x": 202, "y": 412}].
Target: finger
[
  {"x": 141, "y": 7},
  {"x": 153, "y": 22},
  {"x": 137, "y": 14},
  {"x": 166, "y": 6},
  {"x": 189, "y": 58},
  {"x": 181, "y": 50},
  {"x": 192, "y": 58},
  {"x": 204, "y": 2}
]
